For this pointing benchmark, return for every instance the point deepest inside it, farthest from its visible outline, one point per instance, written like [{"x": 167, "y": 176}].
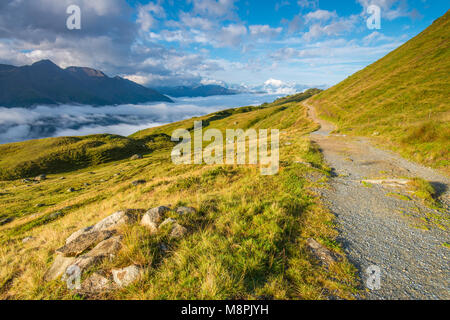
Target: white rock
[
  {"x": 148, "y": 221},
  {"x": 126, "y": 276},
  {"x": 78, "y": 233},
  {"x": 25, "y": 240},
  {"x": 58, "y": 267},
  {"x": 117, "y": 219}
]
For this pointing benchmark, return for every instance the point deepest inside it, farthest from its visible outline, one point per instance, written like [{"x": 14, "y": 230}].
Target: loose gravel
[{"x": 379, "y": 226}]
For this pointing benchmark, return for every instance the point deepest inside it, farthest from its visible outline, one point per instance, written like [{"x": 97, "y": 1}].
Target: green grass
[
  {"x": 402, "y": 100},
  {"x": 366, "y": 184},
  {"x": 398, "y": 196},
  {"x": 56, "y": 155},
  {"x": 422, "y": 189},
  {"x": 247, "y": 241},
  {"x": 299, "y": 97}
]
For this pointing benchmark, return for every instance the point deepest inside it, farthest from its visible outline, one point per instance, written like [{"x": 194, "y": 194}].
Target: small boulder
[
  {"x": 153, "y": 218},
  {"x": 41, "y": 177},
  {"x": 71, "y": 190},
  {"x": 166, "y": 222},
  {"x": 185, "y": 210},
  {"x": 107, "y": 248},
  {"x": 96, "y": 283},
  {"x": 5, "y": 221},
  {"x": 176, "y": 231},
  {"x": 40, "y": 205},
  {"x": 136, "y": 157},
  {"x": 126, "y": 276},
  {"x": 55, "y": 215},
  {"x": 84, "y": 242},
  {"x": 148, "y": 222},
  {"x": 27, "y": 239},
  {"x": 58, "y": 268},
  {"x": 161, "y": 210},
  {"x": 138, "y": 182},
  {"x": 157, "y": 214},
  {"x": 129, "y": 216},
  {"x": 321, "y": 253}
]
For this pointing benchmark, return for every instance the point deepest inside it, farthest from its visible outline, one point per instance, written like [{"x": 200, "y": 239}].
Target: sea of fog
[{"x": 20, "y": 124}]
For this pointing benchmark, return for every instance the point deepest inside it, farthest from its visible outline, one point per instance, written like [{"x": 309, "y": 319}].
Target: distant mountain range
[
  {"x": 45, "y": 83},
  {"x": 197, "y": 91}
]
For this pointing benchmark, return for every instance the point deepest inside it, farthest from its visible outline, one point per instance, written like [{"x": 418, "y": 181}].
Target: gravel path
[{"x": 378, "y": 226}]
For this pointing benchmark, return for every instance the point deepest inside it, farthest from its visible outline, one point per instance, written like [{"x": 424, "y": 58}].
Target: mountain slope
[
  {"x": 196, "y": 91},
  {"x": 401, "y": 100},
  {"x": 46, "y": 83}
]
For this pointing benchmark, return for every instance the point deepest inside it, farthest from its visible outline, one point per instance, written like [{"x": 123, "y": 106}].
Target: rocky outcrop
[
  {"x": 83, "y": 242},
  {"x": 106, "y": 249},
  {"x": 77, "y": 253}
]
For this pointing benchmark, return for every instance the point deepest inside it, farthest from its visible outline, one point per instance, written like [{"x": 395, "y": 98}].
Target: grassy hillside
[
  {"x": 246, "y": 241},
  {"x": 56, "y": 155},
  {"x": 297, "y": 97},
  {"x": 402, "y": 100}
]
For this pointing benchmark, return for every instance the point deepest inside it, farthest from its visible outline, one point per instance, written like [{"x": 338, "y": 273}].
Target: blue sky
[{"x": 278, "y": 43}]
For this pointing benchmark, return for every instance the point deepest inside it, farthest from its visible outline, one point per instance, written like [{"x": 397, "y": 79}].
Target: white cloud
[
  {"x": 213, "y": 8},
  {"x": 390, "y": 9},
  {"x": 336, "y": 27},
  {"x": 308, "y": 3},
  {"x": 147, "y": 14},
  {"x": 232, "y": 35},
  {"x": 321, "y": 15},
  {"x": 264, "y": 31},
  {"x": 212, "y": 82},
  {"x": 275, "y": 86},
  {"x": 375, "y": 37}
]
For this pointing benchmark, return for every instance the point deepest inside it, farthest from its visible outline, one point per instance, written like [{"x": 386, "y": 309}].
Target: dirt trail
[{"x": 379, "y": 225}]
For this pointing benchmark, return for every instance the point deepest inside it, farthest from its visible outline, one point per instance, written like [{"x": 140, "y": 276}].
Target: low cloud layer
[{"x": 44, "y": 121}]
